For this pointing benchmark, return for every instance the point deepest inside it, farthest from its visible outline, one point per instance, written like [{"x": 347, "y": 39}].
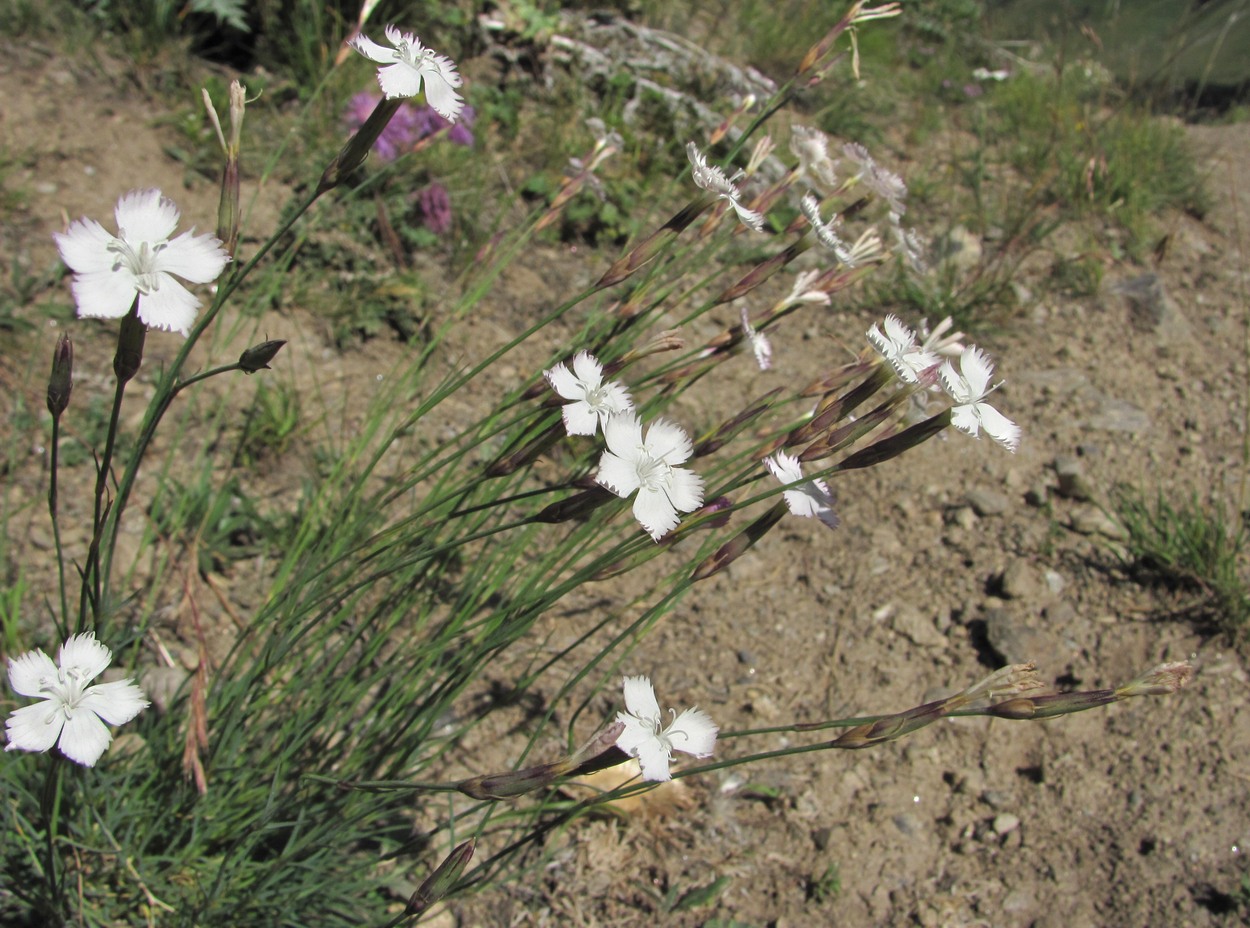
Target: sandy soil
[{"x": 948, "y": 562}]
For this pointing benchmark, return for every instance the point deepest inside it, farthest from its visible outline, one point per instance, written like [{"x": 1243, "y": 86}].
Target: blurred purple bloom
[
  {"x": 408, "y": 126},
  {"x": 435, "y": 207},
  {"x": 398, "y": 136}
]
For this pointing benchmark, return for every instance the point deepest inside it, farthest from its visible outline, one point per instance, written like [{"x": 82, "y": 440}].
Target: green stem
[
  {"x": 93, "y": 586},
  {"x": 63, "y": 623},
  {"x": 169, "y": 386},
  {"x": 50, "y": 808}
]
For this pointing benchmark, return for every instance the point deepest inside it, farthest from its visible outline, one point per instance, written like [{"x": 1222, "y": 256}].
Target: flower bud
[
  {"x": 257, "y": 357},
  {"x": 439, "y": 883},
  {"x": 895, "y": 445},
  {"x": 578, "y": 506},
  {"x": 357, "y": 148},
  {"x": 737, "y": 546},
  {"x": 763, "y": 271},
  {"x": 61, "y": 381},
  {"x": 130, "y": 339}
]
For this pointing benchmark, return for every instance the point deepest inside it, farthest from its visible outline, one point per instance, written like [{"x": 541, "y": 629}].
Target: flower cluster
[
  {"x": 72, "y": 714},
  {"x": 631, "y": 462},
  {"x": 967, "y": 385}
]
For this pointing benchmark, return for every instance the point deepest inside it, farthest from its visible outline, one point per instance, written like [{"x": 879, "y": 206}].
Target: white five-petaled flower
[
  {"x": 909, "y": 244},
  {"x": 630, "y": 464},
  {"x": 899, "y": 349},
  {"x": 807, "y": 499},
  {"x": 72, "y": 714},
  {"x": 968, "y": 387},
  {"x": 826, "y": 232},
  {"x": 713, "y": 180},
  {"x": 759, "y": 342},
  {"x": 811, "y": 147},
  {"x": 939, "y": 342},
  {"x": 805, "y": 291},
  {"x": 407, "y": 65},
  {"x": 884, "y": 183},
  {"x": 139, "y": 261},
  {"x": 593, "y": 400},
  {"x": 648, "y": 739}
]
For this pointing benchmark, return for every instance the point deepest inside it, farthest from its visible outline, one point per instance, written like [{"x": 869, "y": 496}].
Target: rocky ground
[{"x": 949, "y": 562}]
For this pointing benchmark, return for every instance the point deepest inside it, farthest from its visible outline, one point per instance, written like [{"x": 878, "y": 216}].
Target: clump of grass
[
  {"x": 1096, "y": 155},
  {"x": 1195, "y": 547}
]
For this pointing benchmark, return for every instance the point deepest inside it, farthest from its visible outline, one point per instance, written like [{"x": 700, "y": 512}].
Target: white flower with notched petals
[
  {"x": 941, "y": 341},
  {"x": 141, "y": 260},
  {"x": 897, "y": 345},
  {"x": 826, "y": 232},
  {"x": 646, "y": 737},
  {"x": 811, "y": 147},
  {"x": 968, "y": 387},
  {"x": 807, "y": 499},
  {"x": 630, "y": 464},
  {"x": 713, "y": 180},
  {"x": 72, "y": 714},
  {"x": 758, "y": 340},
  {"x": 593, "y": 400},
  {"x": 805, "y": 291},
  {"x": 409, "y": 64}
]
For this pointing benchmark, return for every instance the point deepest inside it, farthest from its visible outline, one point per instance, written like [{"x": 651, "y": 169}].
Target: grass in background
[{"x": 1195, "y": 548}]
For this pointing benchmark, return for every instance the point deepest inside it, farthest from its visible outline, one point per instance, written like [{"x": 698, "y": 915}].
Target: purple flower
[
  {"x": 435, "y": 207},
  {"x": 408, "y": 126},
  {"x": 400, "y": 133}
]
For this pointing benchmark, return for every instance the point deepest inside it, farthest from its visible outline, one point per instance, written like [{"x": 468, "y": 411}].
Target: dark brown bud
[
  {"x": 439, "y": 883},
  {"x": 130, "y": 339},
  {"x": 61, "y": 381},
  {"x": 257, "y": 357}
]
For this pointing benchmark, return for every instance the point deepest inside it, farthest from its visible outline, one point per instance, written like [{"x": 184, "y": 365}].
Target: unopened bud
[
  {"x": 514, "y": 783},
  {"x": 357, "y": 148},
  {"x": 1035, "y": 708},
  {"x": 728, "y": 429},
  {"x": 515, "y": 458},
  {"x": 655, "y": 243},
  {"x": 737, "y": 546},
  {"x": 763, "y": 271},
  {"x": 130, "y": 339},
  {"x": 519, "y": 782},
  {"x": 668, "y": 340},
  {"x": 61, "y": 380},
  {"x": 257, "y": 357},
  {"x": 577, "y": 506},
  {"x": 895, "y": 445},
  {"x": 439, "y": 883}
]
